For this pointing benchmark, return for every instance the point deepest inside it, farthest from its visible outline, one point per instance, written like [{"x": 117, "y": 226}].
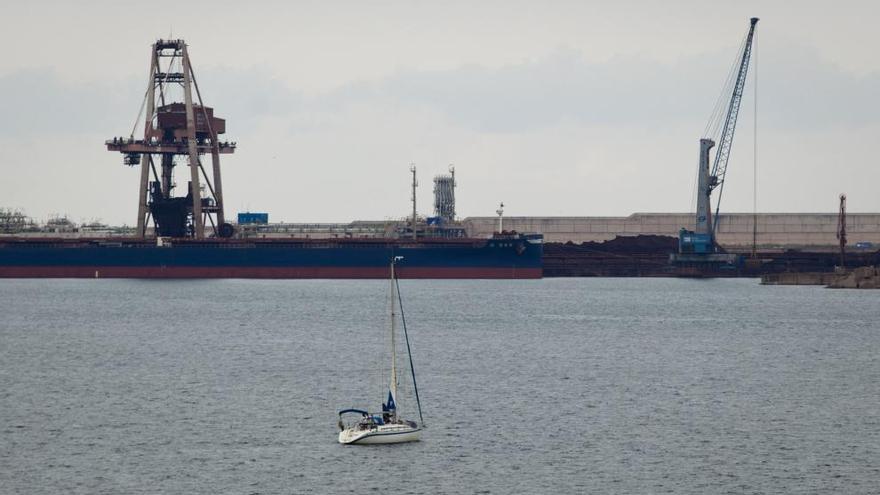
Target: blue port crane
[{"x": 701, "y": 241}]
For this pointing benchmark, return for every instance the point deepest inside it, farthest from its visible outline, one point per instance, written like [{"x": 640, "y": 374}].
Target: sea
[{"x": 581, "y": 385}]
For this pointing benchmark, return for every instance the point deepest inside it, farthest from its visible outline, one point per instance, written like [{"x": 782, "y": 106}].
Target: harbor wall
[{"x": 775, "y": 230}]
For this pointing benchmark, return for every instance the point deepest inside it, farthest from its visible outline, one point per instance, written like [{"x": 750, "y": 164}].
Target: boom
[
  {"x": 719, "y": 169},
  {"x": 699, "y": 246}
]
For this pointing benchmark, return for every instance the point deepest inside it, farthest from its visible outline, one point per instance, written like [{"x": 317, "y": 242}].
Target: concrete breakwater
[
  {"x": 735, "y": 230},
  {"x": 795, "y": 278},
  {"x": 865, "y": 277}
]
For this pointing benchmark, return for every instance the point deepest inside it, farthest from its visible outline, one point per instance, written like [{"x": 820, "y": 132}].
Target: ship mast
[
  {"x": 393, "y": 339},
  {"x": 412, "y": 168}
]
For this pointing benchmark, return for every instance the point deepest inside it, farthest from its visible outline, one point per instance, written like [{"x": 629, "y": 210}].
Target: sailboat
[{"x": 387, "y": 427}]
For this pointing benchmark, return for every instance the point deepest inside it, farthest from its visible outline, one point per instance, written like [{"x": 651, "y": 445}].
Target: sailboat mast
[{"x": 393, "y": 340}]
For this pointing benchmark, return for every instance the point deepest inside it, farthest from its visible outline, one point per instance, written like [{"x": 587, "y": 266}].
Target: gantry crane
[
  {"x": 176, "y": 133},
  {"x": 699, "y": 245}
]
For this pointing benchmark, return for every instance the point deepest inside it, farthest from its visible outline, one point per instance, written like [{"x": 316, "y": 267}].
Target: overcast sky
[{"x": 556, "y": 108}]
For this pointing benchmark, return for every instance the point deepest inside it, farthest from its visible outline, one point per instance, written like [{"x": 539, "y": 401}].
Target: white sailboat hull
[
  {"x": 387, "y": 427},
  {"x": 383, "y": 434}
]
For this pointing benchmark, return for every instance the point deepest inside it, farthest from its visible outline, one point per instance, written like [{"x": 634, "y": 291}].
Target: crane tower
[
  {"x": 699, "y": 246},
  {"x": 176, "y": 133}
]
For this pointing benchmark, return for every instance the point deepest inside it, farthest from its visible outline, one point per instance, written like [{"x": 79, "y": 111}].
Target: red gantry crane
[{"x": 172, "y": 131}]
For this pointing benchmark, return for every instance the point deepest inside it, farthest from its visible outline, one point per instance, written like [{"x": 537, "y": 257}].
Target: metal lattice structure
[
  {"x": 722, "y": 156},
  {"x": 710, "y": 175},
  {"x": 172, "y": 131},
  {"x": 444, "y": 196},
  {"x": 699, "y": 247}
]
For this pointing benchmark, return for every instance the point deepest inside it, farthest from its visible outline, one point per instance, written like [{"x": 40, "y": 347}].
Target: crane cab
[{"x": 690, "y": 242}]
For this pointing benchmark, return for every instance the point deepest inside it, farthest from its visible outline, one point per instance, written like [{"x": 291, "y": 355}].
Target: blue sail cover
[{"x": 390, "y": 405}]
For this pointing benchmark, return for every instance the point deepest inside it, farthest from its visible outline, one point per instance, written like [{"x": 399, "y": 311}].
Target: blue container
[{"x": 245, "y": 218}]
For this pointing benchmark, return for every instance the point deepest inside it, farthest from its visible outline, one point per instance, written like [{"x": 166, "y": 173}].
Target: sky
[{"x": 556, "y": 108}]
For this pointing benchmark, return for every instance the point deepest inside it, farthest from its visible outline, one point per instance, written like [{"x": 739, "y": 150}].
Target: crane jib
[
  {"x": 719, "y": 168},
  {"x": 698, "y": 247}
]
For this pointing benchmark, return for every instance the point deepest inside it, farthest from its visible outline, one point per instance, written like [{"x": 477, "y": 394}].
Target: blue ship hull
[{"x": 510, "y": 256}]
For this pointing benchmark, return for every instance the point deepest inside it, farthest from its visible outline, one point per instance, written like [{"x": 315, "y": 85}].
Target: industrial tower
[
  {"x": 173, "y": 130},
  {"x": 444, "y": 196}
]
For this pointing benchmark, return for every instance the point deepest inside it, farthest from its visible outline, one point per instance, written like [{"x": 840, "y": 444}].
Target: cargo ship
[
  {"x": 503, "y": 256},
  {"x": 190, "y": 237}
]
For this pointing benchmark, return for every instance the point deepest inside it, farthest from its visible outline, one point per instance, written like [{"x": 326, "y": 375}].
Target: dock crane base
[{"x": 705, "y": 265}]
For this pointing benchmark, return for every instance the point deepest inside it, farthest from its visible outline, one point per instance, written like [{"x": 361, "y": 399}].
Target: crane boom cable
[
  {"x": 137, "y": 119},
  {"x": 717, "y": 114},
  {"x": 755, "y": 157}
]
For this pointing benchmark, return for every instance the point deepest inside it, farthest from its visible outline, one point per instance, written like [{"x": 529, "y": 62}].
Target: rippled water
[{"x": 550, "y": 386}]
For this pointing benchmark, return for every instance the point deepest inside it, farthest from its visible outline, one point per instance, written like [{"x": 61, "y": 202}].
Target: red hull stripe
[{"x": 263, "y": 272}]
